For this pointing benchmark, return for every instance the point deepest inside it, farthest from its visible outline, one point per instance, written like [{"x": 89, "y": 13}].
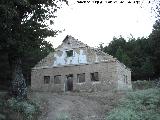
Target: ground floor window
[
  {"x": 46, "y": 79},
  {"x": 57, "y": 79},
  {"x": 81, "y": 77},
  {"x": 94, "y": 76}
]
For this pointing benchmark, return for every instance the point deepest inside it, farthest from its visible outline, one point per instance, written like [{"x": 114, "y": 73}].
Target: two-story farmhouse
[{"x": 74, "y": 66}]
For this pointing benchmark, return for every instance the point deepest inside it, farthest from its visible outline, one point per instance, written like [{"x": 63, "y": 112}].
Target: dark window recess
[
  {"x": 81, "y": 77},
  {"x": 46, "y": 79},
  {"x": 94, "y": 76},
  {"x": 69, "y": 53},
  {"x": 125, "y": 79},
  {"x": 57, "y": 79}
]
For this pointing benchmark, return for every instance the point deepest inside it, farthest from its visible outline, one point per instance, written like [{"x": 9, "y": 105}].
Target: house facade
[{"x": 74, "y": 66}]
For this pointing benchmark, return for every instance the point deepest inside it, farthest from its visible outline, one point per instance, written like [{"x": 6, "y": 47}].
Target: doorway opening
[{"x": 69, "y": 82}]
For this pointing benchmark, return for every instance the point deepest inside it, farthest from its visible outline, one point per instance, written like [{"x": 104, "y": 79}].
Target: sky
[{"x": 94, "y": 23}]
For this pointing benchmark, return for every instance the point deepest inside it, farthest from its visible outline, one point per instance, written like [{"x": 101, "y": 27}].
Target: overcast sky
[{"x": 94, "y": 23}]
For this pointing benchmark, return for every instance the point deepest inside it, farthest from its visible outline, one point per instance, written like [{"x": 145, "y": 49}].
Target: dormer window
[{"x": 69, "y": 53}]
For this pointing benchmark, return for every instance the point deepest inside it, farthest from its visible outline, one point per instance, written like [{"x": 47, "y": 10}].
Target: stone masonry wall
[
  {"x": 106, "y": 73},
  {"x": 123, "y": 77}
]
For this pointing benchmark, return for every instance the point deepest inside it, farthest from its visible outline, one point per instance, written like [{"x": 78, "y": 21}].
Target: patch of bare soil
[{"x": 77, "y": 105}]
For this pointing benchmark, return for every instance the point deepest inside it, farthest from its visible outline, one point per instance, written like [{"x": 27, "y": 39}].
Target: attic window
[{"x": 69, "y": 53}]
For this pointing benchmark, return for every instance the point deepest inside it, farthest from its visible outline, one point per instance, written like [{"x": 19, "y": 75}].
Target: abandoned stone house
[{"x": 74, "y": 66}]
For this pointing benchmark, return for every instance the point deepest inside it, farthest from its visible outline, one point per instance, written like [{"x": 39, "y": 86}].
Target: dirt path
[{"x": 77, "y": 106}]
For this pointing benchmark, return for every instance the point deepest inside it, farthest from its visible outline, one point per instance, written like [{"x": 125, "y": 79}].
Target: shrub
[
  {"x": 122, "y": 114},
  {"x": 138, "y": 105},
  {"x": 143, "y": 84},
  {"x": 27, "y": 108}
]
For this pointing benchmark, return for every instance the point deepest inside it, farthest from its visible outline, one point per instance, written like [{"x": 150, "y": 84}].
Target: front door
[{"x": 69, "y": 82}]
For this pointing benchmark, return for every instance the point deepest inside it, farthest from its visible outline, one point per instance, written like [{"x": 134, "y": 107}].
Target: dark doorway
[{"x": 69, "y": 82}]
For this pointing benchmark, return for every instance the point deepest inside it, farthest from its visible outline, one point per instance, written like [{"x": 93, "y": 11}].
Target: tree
[
  {"x": 29, "y": 59},
  {"x": 155, "y": 47},
  {"x": 122, "y": 57},
  {"x": 147, "y": 69},
  {"x": 22, "y": 28},
  {"x": 119, "y": 54},
  {"x": 136, "y": 54},
  {"x": 114, "y": 45}
]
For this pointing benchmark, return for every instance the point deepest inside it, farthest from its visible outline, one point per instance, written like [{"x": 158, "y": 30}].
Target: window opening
[
  {"x": 81, "y": 77},
  {"x": 94, "y": 76},
  {"x": 57, "y": 79},
  {"x": 46, "y": 79},
  {"x": 69, "y": 53}
]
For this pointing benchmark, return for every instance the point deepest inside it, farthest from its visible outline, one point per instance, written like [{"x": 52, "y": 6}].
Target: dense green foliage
[
  {"x": 22, "y": 35},
  {"x": 141, "y": 85},
  {"x": 29, "y": 59},
  {"x": 138, "y": 105},
  {"x": 23, "y": 30}
]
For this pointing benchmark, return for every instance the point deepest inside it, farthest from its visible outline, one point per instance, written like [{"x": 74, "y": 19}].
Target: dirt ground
[{"x": 76, "y": 105}]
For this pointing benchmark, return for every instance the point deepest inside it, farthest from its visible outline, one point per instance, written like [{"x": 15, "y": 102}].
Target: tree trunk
[{"x": 18, "y": 87}]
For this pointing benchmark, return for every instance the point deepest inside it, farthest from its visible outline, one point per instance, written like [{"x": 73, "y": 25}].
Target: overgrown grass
[{"x": 138, "y": 105}]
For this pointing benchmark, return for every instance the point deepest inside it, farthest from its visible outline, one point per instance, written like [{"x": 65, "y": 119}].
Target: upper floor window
[
  {"x": 46, "y": 79},
  {"x": 69, "y": 53}
]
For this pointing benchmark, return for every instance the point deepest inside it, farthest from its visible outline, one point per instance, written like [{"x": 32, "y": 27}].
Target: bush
[
  {"x": 139, "y": 105},
  {"x": 27, "y": 108},
  {"x": 143, "y": 84}
]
